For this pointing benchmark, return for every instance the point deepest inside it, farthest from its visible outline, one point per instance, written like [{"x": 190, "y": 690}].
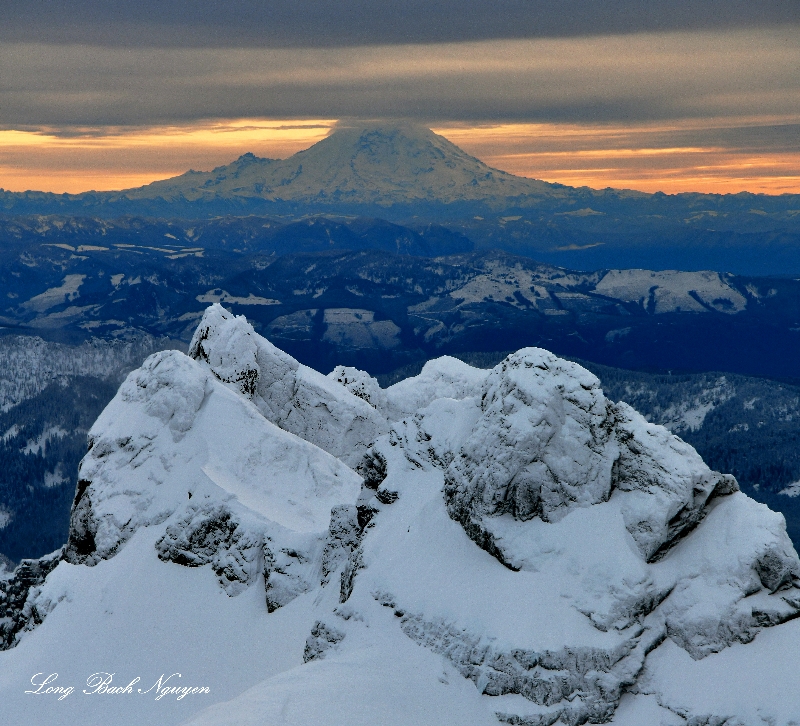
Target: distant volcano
[
  {"x": 385, "y": 165},
  {"x": 399, "y": 171}
]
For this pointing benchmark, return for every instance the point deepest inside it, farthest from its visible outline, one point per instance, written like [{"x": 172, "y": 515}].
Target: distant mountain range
[
  {"x": 385, "y": 166},
  {"x": 266, "y": 235},
  {"x": 396, "y": 168},
  {"x": 410, "y": 177},
  {"x": 379, "y": 311}
]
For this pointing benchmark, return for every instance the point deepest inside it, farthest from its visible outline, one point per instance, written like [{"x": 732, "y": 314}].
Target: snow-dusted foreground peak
[
  {"x": 443, "y": 377},
  {"x": 517, "y": 549},
  {"x": 548, "y": 441},
  {"x": 291, "y": 395},
  {"x": 175, "y": 439}
]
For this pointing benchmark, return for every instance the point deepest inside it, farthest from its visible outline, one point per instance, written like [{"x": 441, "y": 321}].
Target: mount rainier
[{"x": 464, "y": 547}]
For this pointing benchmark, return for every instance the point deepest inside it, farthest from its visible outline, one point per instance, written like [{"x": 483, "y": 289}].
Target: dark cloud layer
[
  {"x": 324, "y": 23},
  {"x": 614, "y": 78}
]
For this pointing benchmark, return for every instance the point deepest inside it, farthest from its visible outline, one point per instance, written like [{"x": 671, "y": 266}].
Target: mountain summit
[
  {"x": 471, "y": 547},
  {"x": 357, "y": 169},
  {"x": 379, "y": 164}
]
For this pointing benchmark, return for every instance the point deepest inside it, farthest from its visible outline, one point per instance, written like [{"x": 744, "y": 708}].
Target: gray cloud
[
  {"x": 613, "y": 78},
  {"x": 323, "y": 23}
]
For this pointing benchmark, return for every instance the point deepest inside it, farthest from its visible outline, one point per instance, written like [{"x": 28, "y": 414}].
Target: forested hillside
[{"x": 50, "y": 395}]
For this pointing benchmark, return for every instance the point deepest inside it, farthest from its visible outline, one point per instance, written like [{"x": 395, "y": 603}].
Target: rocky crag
[{"x": 467, "y": 546}]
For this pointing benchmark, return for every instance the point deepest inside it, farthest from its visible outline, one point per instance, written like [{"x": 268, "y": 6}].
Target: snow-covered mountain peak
[
  {"x": 406, "y": 147},
  {"x": 230, "y": 347},
  {"x": 548, "y": 441},
  {"x": 530, "y": 371},
  {"x": 360, "y": 384},
  {"x": 444, "y": 377},
  {"x": 186, "y": 443},
  {"x": 543, "y": 444},
  {"x": 517, "y": 549},
  {"x": 383, "y": 163},
  {"x": 292, "y": 396}
]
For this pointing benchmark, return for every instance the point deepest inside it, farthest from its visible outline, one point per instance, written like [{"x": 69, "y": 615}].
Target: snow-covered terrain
[
  {"x": 673, "y": 291},
  {"x": 465, "y": 547}
]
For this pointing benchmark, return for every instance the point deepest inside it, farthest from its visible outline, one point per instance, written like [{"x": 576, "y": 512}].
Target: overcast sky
[
  {"x": 344, "y": 23},
  {"x": 583, "y": 91}
]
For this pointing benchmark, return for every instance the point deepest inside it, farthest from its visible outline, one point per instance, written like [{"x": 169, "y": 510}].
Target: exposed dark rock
[
  {"x": 322, "y": 638},
  {"x": 372, "y": 469},
  {"x": 580, "y": 685},
  {"x": 344, "y": 535},
  {"x": 14, "y": 590},
  {"x": 212, "y": 535},
  {"x": 83, "y": 528}
]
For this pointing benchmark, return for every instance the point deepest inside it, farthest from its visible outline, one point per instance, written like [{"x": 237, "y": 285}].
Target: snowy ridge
[
  {"x": 233, "y": 491},
  {"x": 291, "y": 395},
  {"x": 515, "y": 548},
  {"x": 444, "y": 377}
]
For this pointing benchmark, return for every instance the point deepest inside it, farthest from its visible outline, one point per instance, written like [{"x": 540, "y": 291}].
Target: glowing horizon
[{"x": 683, "y": 156}]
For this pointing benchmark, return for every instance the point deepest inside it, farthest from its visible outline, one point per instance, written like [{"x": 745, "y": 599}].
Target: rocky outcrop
[
  {"x": 546, "y": 547},
  {"x": 575, "y": 685},
  {"x": 292, "y": 396},
  {"x": 668, "y": 487},
  {"x": 548, "y": 441},
  {"x": 544, "y": 443},
  {"x": 18, "y": 611},
  {"x": 322, "y": 638},
  {"x": 291, "y": 567},
  {"x": 344, "y": 535},
  {"x": 211, "y": 535}
]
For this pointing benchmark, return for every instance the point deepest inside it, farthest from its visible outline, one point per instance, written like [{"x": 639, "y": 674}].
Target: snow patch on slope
[
  {"x": 793, "y": 490},
  {"x": 66, "y": 292},
  {"x": 673, "y": 291}
]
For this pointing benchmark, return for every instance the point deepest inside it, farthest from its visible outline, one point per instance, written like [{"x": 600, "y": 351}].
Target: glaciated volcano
[
  {"x": 378, "y": 164},
  {"x": 464, "y": 547},
  {"x": 358, "y": 167}
]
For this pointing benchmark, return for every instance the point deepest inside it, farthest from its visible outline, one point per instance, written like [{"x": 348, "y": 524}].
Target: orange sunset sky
[{"x": 647, "y": 157}]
